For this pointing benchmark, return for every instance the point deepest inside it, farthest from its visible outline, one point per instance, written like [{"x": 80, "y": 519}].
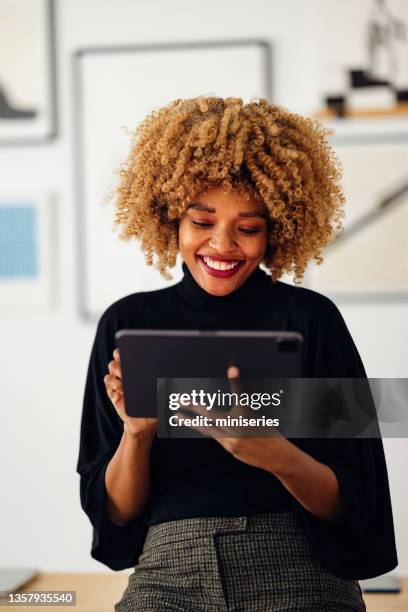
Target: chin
[
  {"x": 221, "y": 287},
  {"x": 220, "y": 291}
]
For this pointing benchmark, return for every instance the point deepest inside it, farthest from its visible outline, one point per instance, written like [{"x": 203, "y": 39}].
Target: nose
[{"x": 222, "y": 241}]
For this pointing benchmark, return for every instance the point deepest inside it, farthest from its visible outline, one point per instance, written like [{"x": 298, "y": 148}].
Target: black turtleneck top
[{"x": 197, "y": 476}]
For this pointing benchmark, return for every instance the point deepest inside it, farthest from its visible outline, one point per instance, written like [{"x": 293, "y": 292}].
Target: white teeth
[{"x": 220, "y": 265}]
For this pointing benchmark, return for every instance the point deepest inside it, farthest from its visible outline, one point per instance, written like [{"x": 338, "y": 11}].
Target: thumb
[{"x": 233, "y": 375}]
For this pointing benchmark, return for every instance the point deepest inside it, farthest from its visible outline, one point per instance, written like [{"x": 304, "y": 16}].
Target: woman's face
[{"x": 222, "y": 239}]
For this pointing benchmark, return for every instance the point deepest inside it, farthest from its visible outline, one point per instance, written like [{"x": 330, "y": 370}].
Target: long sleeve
[
  {"x": 118, "y": 547},
  {"x": 362, "y": 544}
]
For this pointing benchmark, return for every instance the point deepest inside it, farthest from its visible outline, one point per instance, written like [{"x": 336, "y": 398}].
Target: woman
[{"x": 231, "y": 523}]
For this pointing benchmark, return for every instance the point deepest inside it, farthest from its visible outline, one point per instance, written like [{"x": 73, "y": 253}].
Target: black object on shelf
[
  {"x": 360, "y": 78},
  {"x": 337, "y": 103},
  {"x": 402, "y": 95}
]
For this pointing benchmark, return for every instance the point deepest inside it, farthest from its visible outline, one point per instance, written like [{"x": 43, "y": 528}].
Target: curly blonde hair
[{"x": 194, "y": 144}]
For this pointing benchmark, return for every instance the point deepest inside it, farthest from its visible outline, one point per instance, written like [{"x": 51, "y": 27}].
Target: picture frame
[
  {"x": 27, "y": 251},
  {"x": 28, "y": 92},
  {"x": 106, "y": 103},
  {"x": 369, "y": 260}
]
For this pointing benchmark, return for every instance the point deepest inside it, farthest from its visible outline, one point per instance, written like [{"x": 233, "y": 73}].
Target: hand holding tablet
[{"x": 114, "y": 389}]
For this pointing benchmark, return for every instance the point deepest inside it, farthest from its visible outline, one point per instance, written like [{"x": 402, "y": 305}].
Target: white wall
[{"x": 44, "y": 356}]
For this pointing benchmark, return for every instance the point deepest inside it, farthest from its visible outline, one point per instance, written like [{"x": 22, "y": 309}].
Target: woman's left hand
[{"x": 268, "y": 453}]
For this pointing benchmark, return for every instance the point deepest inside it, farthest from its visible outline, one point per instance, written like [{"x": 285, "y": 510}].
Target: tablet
[{"x": 147, "y": 355}]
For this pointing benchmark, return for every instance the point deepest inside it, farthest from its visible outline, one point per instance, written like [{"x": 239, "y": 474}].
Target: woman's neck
[{"x": 197, "y": 297}]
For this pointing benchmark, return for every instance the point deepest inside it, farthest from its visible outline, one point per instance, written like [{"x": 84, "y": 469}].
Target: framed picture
[
  {"x": 369, "y": 260},
  {"x": 27, "y": 275},
  {"x": 27, "y": 72},
  {"x": 363, "y": 85},
  {"x": 114, "y": 89}
]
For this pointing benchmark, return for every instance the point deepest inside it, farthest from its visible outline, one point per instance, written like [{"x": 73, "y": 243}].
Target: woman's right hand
[{"x": 114, "y": 389}]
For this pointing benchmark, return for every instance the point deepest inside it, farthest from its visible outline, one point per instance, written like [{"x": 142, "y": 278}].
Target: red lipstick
[{"x": 220, "y": 273}]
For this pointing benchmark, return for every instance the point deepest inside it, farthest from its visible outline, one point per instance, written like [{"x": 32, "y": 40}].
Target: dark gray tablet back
[{"x": 150, "y": 354}]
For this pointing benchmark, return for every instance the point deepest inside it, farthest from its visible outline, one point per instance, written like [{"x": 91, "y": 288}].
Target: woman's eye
[
  {"x": 201, "y": 224},
  {"x": 241, "y": 229}
]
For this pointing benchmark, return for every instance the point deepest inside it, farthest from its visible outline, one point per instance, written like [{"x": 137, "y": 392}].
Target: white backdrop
[{"x": 44, "y": 356}]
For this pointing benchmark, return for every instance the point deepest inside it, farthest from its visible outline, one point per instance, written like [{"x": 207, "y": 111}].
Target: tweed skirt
[{"x": 258, "y": 562}]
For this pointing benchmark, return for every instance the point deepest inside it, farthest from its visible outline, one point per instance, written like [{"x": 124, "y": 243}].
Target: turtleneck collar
[{"x": 196, "y": 296}]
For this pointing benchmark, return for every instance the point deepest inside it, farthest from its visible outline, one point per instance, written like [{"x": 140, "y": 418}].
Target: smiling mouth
[{"x": 220, "y": 268}]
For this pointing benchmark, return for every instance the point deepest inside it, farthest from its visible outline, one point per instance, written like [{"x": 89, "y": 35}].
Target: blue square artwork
[{"x": 18, "y": 241}]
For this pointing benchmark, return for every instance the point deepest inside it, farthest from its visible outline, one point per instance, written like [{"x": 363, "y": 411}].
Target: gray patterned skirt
[{"x": 254, "y": 563}]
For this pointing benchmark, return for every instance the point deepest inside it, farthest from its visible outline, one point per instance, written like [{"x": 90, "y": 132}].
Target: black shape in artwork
[{"x": 7, "y": 111}]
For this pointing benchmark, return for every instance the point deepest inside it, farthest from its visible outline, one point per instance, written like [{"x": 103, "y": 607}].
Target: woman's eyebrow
[{"x": 205, "y": 208}]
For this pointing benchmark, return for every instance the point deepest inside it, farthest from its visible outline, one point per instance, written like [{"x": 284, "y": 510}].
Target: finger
[
  {"x": 114, "y": 369},
  {"x": 189, "y": 411},
  {"x": 116, "y": 385},
  {"x": 119, "y": 404},
  {"x": 233, "y": 375},
  {"x": 113, "y": 383},
  {"x": 153, "y": 420},
  {"x": 114, "y": 398},
  {"x": 206, "y": 431},
  {"x": 116, "y": 354},
  {"x": 209, "y": 429},
  {"x": 199, "y": 409},
  {"x": 112, "y": 388}
]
